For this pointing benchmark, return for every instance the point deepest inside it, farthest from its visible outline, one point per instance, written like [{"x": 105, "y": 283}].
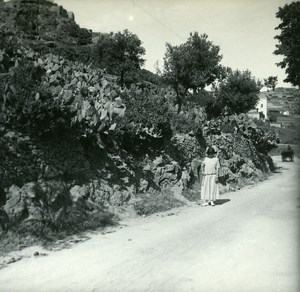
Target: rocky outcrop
[
  {"x": 48, "y": 203},
  {"x": 69, "y": 179},
  {"x": 47, "y": 183},
  {"x": 41, "y": 23},
  {"x": 240, "y": 162},
  {"x": 24, "y": 160},
  {"x": 165, "y": 172}
]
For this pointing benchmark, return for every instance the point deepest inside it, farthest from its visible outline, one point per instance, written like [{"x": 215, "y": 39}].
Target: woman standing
[{"x": 210, "y": 173}]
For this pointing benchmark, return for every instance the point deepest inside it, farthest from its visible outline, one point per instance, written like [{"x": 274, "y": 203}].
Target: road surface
[{"x": 249, "y": 242}]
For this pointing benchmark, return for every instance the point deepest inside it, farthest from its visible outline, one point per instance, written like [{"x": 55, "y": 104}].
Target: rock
[
  {"x": 125, "y": 179},
  {"x": 71, "y": 15},
  {"x": 195, "y": 166},
  {"x": 143, "y": 185},
  {"x": 10, "y": 135},
  {"x": 13, "y": 260},
  {"x": 185, "y": 147},
  {"x": 51, "y": 172},
  {"x": 79, "y": 193},
  {"x": 119, "y": 197},
  {"x": 170, "y": 168},
  {"x": 15, "y": 206},
  {"x": 168, "y": 176},
  {"x": 4, "y": 221},
  {"x": 147, "y": 167},
  {"x": 157, "y": 175},
  {"x": 32, "y": 190},
  {"x": 247, "y": 171},
  {"x": 100, "y": 192},
  {"x": 158, "y": 161},
  {"x": 35, "y": 213},
  {"x": 56, "y": 193}
]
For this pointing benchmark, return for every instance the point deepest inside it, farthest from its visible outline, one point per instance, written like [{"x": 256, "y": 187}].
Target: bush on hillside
[
  {"x": 48, "y": 93},
  {"x": 147, "y": 120},
  {"x": 264, "y": 140},
  {"x": 28, "y": 112},
  {"x": 188, "y": 121}
]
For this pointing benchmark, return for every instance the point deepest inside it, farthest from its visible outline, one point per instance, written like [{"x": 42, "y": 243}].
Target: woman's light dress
[{"x": 209, "y": 187}]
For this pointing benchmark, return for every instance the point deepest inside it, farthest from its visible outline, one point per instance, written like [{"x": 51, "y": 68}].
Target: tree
[
  {"x": 271, "y": 82},
  {"x": 192, "y": 65},
  {"x": 289, "y": 41},
  {"x": 238, "y": 93},
  {"x": 146, "y": 75},
  {"x": 120, "y": 54}
]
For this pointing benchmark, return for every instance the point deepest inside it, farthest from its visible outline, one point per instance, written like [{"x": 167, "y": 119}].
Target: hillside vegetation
[{"x": 67, "y": 164}]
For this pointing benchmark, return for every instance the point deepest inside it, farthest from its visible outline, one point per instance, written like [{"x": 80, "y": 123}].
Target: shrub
[
  {"x": 157, "y": 202},
  {"x": 147, "y": 120},
  {"x": 185, "y": 123},
  {"x": 263, "y": 139},
  {"x": 30, "y": 108}
]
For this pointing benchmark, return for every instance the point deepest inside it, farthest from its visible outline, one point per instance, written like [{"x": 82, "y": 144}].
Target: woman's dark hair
[{"x": 210, "y": 151}]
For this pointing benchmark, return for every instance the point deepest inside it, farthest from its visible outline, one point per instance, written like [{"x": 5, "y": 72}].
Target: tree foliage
[
  {"x": 289, "y": 41},
  {"x": 271, "y": 82},
  {"x": 120, "y": 54},
  {"x": 238, "y": 93},
  {"x": 192, "y": 65},
  {"x": 146, "y": 75}
]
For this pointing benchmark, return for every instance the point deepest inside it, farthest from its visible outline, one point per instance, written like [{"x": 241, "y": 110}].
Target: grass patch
[
  {"x": 49, "y": 231},
  {"x": 12, "y": 241},
  {"x": 156, "y": 202},
  {"x": 193, "y": 194}
]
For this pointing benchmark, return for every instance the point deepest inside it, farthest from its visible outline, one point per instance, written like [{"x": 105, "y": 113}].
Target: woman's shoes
[{"x": 208, "y": 203}]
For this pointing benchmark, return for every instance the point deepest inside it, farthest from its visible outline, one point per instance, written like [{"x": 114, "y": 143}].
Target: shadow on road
[
  {"x": 279, "y": 169},
  {"x": 221, "y": 201}
]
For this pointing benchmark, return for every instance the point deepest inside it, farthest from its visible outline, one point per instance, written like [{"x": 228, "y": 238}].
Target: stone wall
[
  {"x": 25, "y": 160},
  {"x": 45, "y": 182}
]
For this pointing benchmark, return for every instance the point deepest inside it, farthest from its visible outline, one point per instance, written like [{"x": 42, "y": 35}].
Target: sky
[{"x": 243, "y": 29}]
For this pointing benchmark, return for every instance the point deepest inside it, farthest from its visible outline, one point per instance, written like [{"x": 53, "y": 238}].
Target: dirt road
[{"x": 247, "y": 243}]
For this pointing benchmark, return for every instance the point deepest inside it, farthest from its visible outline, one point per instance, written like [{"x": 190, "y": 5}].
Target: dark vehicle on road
[{"x": 287, "y": 154}]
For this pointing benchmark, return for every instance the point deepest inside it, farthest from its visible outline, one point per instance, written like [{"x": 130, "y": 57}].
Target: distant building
[
  {"x": 276, "y": 124},
  {"x": 262, "y": 105},
  {"x": 286, "y": 112},
  {"x": 261, "y": 111}
]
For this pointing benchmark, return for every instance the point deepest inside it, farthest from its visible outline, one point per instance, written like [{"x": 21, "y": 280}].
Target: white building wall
[{"x": 262, "y": 106}]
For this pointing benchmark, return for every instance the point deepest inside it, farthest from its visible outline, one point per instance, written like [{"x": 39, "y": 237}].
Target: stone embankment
[{"x": 47, "y": 182}]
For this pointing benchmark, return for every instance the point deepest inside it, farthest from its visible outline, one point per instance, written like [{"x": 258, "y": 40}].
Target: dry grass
[{"x": 156, "y": 202}]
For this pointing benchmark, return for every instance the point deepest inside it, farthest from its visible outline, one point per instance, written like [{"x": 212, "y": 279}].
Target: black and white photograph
[{"x": 149, "y": 146}]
